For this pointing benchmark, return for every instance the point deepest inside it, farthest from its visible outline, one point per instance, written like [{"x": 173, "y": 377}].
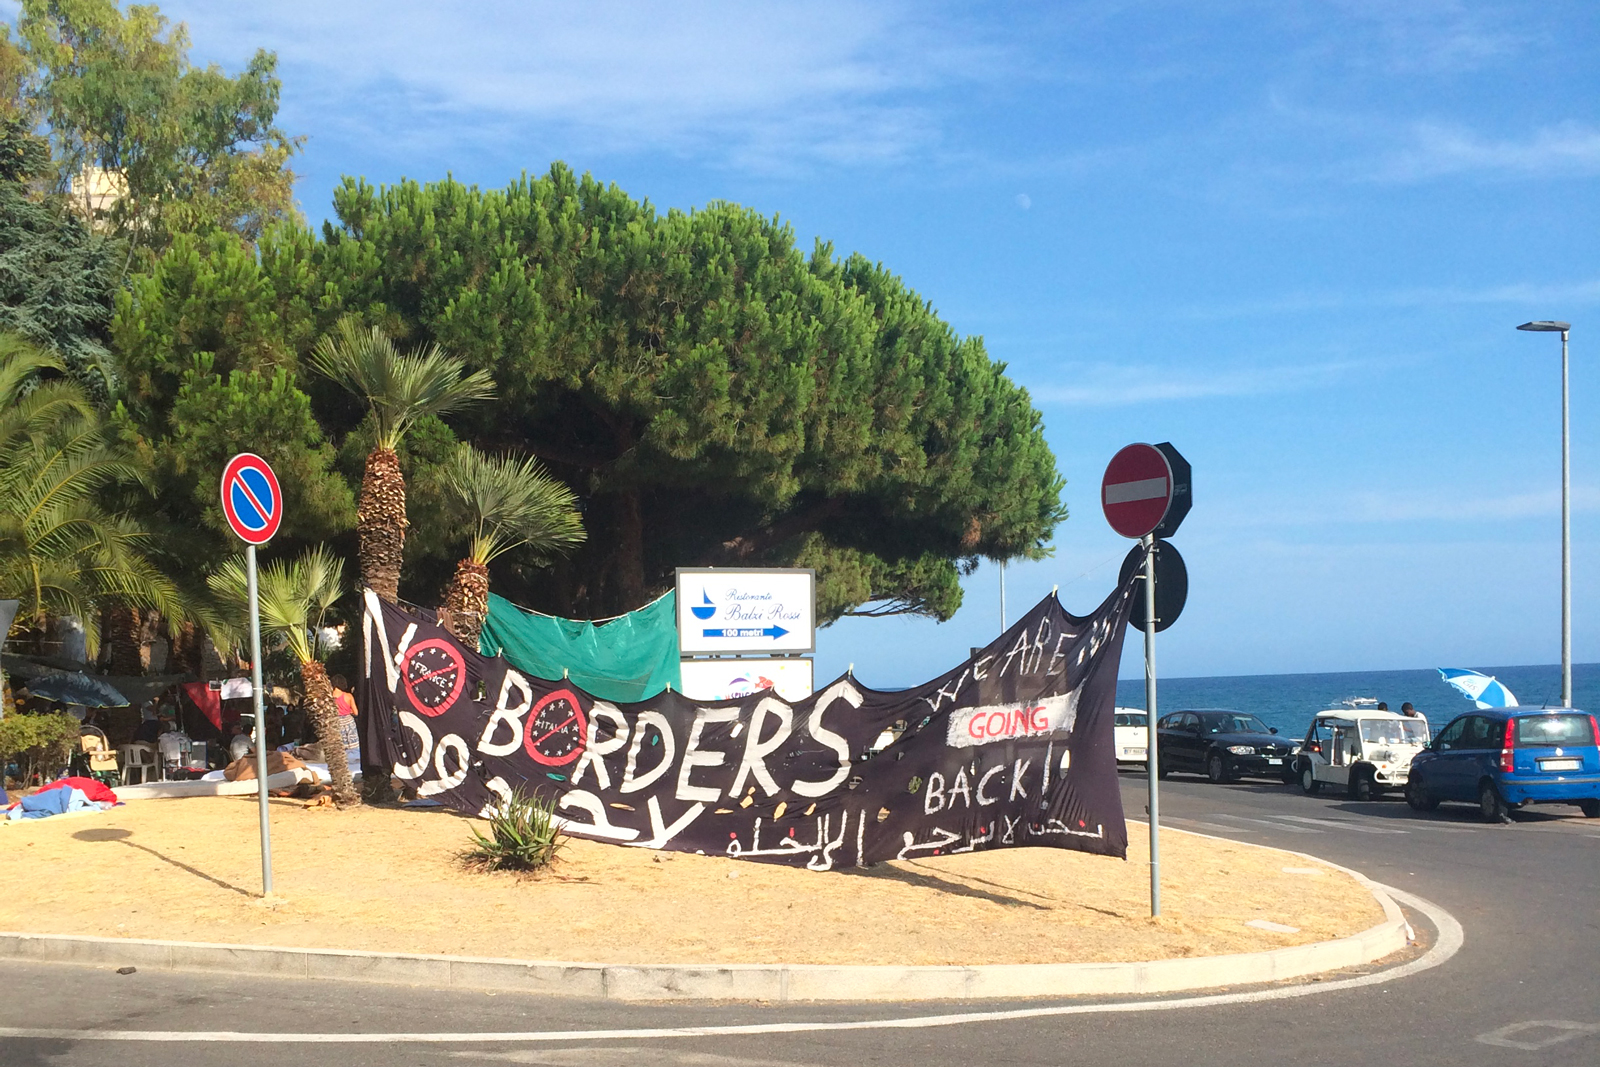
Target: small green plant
[
  {"x": 36, "y": 743},
  {"x": 523, "y": 836}
]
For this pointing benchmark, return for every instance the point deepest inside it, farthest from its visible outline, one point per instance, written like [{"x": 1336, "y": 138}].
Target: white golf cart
[{"x": 1363, "y": 752}]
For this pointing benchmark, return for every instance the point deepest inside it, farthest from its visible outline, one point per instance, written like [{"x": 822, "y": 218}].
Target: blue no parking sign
[{"x": 251, "y": 499}]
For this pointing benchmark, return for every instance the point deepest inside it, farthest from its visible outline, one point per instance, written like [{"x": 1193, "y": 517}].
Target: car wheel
[
  {"x": 1308, "y": 781},
  {"x": 1490, "y": 806},
  {"x": 1590, "y": 808},
  {"x": 1161, "y": 768},
  {"x": 1418, "y": 797},
  {"x": 1360, "y": 785},
  {"x": 1217, "y": 769}
]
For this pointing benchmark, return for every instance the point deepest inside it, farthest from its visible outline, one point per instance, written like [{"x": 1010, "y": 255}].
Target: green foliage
[
  {"x": 711, "y": 394},
  {"x": 191, "y": 148},
  {"x": 523, "y": 836},
  {"x": 509, "y": 503},
  {"x": 207, "y": 371},
  {"x": 398, "y": 387},
  {"x": 61, "y": 551},
  {"x": 294, "y": 597},
  {"x": 56, "y": 277},
  {"x": 37, "y": 743}
]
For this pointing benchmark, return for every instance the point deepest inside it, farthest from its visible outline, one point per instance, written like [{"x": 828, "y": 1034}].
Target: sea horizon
[{"x": 1288, "y": 701}]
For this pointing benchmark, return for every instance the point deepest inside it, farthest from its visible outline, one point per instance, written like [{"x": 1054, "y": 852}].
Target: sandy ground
[{"x": 386, "y": 879}]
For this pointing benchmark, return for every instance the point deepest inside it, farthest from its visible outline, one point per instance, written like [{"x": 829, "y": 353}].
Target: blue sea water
[{"x": 1288, "y": 701}]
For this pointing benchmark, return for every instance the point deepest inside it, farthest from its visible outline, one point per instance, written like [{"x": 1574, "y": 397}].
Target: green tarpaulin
[{"x": 633, "y": 657}]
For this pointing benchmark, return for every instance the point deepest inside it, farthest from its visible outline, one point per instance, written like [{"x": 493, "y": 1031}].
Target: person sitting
[
  {"x": 239, "y": 745},
  {"x": 148, "y": 731}
]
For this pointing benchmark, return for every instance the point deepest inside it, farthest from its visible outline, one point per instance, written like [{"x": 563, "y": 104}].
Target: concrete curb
[{"x": 768, "y": 982}]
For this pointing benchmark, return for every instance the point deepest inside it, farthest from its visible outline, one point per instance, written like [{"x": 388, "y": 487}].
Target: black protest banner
[{"x": 1012, "y": 748}]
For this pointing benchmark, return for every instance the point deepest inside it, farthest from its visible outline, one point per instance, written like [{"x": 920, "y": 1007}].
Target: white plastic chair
[{"x": 139, "y": 759}]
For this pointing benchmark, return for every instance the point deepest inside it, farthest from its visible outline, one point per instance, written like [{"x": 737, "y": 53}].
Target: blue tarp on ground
[{"x": 629, "y": 658}]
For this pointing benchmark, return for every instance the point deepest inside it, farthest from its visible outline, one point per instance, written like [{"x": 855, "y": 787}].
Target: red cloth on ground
[{"x": 92, "y": 789}]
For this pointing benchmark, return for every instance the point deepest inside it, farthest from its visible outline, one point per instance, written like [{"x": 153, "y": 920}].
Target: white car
[
  {"x": 1363, "y": 752},
  {"x": 1131, "y": 735}
]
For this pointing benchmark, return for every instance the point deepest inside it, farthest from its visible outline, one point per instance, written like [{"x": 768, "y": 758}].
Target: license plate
[
  {"x": 1560, "y": 764},
  {"x": 1274, "y": 759}
]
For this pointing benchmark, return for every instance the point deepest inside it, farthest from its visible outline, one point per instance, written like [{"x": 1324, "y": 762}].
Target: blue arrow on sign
[{"x": 773, "y": 632}]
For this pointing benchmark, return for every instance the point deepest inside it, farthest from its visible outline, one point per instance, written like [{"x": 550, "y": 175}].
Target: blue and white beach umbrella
[{"x": 1482, "y": 689}]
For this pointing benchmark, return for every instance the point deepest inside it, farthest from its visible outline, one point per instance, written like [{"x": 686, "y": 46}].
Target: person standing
[{"x": 1407, "y": 710}]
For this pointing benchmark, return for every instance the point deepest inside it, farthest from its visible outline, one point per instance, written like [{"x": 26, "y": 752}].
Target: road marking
[
  {"x": 619, "y": 1056},
  {"x": 1265, "y": 822},
  {"x": 1437, "y": 829},
  {"x": 1564, "y": 1031},
  {"x": 1449, "y": 942},
  {"x": 1340, "y": 824},
  {"x": 1211, "y": 825}
]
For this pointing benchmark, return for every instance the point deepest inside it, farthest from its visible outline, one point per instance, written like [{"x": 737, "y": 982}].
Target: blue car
[{"x": 1504, "y": 758}]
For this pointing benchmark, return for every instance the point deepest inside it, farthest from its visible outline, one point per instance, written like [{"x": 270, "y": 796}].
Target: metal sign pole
[
  {"x": 261, "y": 719},
  {"x": 1150, "y": 754},
  {"x": 1566, "y": 538}
]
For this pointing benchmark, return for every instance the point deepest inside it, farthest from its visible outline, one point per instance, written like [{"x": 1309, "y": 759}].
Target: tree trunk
[
  {"x": 325, "y": 720},
  {"x": 630, "y": 551},
  {"x": 126, "y": 638},
  {"x": 381, "y": 523},
  {"x": 466, "y": 604},
  {"x": 188, "y": 646}
]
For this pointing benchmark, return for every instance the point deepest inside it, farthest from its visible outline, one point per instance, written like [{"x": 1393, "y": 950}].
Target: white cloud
[
  {"x": 761, "y": 85},
  {"x": 1522, "y": 294},
  {"x": 1108, "y": 385},
  {"x": 1437, "y": 150}
]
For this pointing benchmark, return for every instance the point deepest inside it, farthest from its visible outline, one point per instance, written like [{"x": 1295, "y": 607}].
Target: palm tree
[
  {"x": 400, "y": 388},
  {"x": 294, "y": 599},
  {"x": 509, "y": 503},
  {"x": 61, "y": 552}
]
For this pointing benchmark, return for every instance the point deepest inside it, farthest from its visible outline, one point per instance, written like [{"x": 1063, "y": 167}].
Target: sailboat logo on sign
[{"x": 706, "y": 610}]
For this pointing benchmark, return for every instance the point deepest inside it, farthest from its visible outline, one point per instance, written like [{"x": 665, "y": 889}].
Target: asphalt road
[{"x": 1523, "y": 990}]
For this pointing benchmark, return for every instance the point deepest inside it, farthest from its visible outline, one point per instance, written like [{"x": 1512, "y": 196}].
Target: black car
[{"x": 1222, "y": 745}]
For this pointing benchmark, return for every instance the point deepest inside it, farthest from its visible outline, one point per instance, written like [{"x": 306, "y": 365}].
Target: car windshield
[
  {"x": 1124, "y": 719},
  {"x": 1231, "y": 722},
  {"x": 1555, "y": 730},
  {"x": 1394, "y": 731}
]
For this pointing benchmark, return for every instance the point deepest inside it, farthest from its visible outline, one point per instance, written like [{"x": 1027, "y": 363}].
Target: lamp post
[{"x": 1563, "y": 328}]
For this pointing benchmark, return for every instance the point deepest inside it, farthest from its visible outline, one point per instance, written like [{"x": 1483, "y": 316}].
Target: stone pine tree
[
  {"x": 207, "y": 367},
  {"x": 295, "y": 597},
  {"x": 505, "y": 503},
  {"x": 712, "y": 394}
]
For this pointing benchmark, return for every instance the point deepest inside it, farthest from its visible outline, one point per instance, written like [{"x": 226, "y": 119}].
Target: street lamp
[{"x": 1563, "y": 328}]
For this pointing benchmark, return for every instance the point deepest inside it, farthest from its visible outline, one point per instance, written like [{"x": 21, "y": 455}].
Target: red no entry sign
[
  {"x": 1136, "y": 490},
  {"x": 251, "y": 499}
]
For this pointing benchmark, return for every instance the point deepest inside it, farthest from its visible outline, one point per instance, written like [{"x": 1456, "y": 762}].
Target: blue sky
[{"x": 1293, "y": 238}]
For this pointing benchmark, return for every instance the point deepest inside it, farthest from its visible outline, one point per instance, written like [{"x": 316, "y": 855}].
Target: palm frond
[
  {"x": 294, "y": 597},
  {"x": 30, "y": 406},
  {"x": 399, "y": 387},
  {"x": 512, "y": 502}
]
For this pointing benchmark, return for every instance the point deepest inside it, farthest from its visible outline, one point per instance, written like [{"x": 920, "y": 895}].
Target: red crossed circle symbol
[
  {"x": 252, "y": 502},
  {"x": 434, "y": 674}
]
